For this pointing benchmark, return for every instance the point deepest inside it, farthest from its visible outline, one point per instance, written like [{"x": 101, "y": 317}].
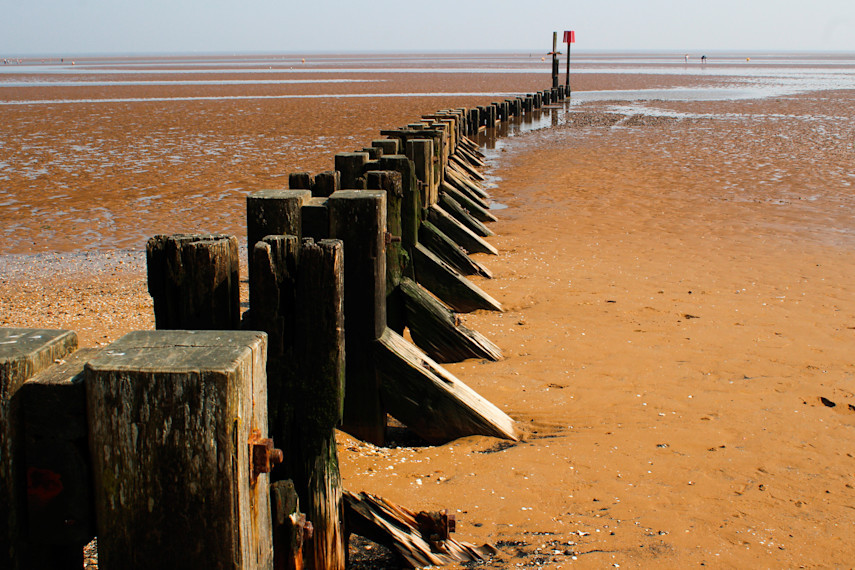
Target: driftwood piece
[
  {"x": 431, "y": 401},
  {"x": 60, "y": 513},
  {"x": 174, "y": 418},
  {"x": 449, "y": 285},
  {"x": 477, "y": 211},
  {"x": 358, "y": 218},
  {"x": 23, "y": 354},
  {"x": 447, "y": 249},
  {"x": 458, "y": 232},
  {"x": 438, "y": 331},
  {"x": 420, "y": 539}
]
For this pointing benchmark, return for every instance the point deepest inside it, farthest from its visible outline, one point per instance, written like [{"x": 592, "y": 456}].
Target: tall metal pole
[{"x": 567, "y": 79}]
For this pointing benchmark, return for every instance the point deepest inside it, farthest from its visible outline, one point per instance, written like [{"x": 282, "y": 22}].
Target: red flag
[{"x": 569, "y": 37}]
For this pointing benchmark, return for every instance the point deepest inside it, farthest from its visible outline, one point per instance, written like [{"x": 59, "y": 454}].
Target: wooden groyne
[{"x": 210, "y": 442}]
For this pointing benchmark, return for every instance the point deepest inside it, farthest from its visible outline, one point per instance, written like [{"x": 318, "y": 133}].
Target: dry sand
[{"x": 679, "y": 325}]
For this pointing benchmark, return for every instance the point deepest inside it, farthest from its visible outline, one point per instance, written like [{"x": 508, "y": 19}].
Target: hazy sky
[{"x": 66, "y": 27}]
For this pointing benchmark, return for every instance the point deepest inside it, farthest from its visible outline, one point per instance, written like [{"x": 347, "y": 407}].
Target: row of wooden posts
[{"x": 162, "y": 443}]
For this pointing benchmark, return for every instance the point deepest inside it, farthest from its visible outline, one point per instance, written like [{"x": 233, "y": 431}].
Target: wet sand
[{"x": 680, "y": 313}]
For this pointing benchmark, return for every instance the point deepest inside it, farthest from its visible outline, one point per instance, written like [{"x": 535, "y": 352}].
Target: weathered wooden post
[
  {"x": 177, "y": 432},
  {"x": 300, "y": 181},
  {"x": 326, "y": 183},
  {"x": 23, "y": 353},
  {"x": 194, "y": 281},
  {"x": 358, "y": 218},
  {"x": 554, "y": 59},
  {"x": 320, "y": 343},
  {"x": 388, "y": 146},
  {"x": 351, "y": 165},
  {"x": 60, "y": 513},
  {"x": 273, "y": 212}
]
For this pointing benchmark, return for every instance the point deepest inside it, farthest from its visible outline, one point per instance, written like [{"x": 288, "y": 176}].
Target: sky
[{"x": 78, "y": 27}]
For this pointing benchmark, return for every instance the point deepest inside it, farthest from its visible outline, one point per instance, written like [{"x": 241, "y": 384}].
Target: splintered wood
[{"x": 421, "y": 539}]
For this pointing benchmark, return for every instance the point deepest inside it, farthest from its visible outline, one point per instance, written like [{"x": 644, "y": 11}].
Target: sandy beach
[{"x": 678, "y": 278}]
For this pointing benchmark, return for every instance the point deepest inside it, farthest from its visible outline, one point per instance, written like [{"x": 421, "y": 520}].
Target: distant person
[
  {"x": 703, "y": 59},
  {"x": 687, "y": 58}
]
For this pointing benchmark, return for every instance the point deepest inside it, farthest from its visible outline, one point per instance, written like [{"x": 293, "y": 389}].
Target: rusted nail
[{"x": 392, "y": 239}]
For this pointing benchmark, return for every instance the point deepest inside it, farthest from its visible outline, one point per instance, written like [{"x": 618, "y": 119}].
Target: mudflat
[{"x": 677, "y": 277}]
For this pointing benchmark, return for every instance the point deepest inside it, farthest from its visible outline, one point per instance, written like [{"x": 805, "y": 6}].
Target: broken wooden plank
[
  {"x": 430, "y": 400},
  {"x": 438, "y": 331},
  {"x": 420, "y": 539},
  {"x": 468, "y": 168}
]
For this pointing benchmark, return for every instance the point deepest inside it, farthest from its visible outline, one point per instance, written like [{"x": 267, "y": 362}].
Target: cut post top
[
  {"x": 18, "y": 343},
  {"x": 178, "y": 351}
]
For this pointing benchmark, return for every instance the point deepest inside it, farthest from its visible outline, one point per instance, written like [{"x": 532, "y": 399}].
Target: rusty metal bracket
[{"x": 263, "y": 456}]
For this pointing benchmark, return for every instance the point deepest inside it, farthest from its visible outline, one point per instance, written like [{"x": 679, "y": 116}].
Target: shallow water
[{"x": 103, "y": 154}]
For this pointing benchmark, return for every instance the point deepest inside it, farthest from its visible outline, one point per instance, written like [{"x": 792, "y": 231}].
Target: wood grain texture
[{"x": 171, "y": 414}]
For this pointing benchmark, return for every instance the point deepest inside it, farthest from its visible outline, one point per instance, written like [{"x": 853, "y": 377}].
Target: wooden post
[
  {"x": 420, "y": 151},
  {"x": 273, "y": 212},
  {"x": 350, "y": 165},
  {"x": 315, "y": 220},
  {"x": 23, "y": 353},
  {"x": 194, "y": 281},
  {"x": 477, "y": 211},
  {"x": 411, "y": 205},
  {"x": 554, "y": 59},
  {"x": 300, "y": 181},
  {"x": 60, "y": 514},
  {"x": 326, "y": 183},
  {"x": 358, "y": 218},
  {"x": 388, "y": 146},
  {"x": 320, "y": 393},
  {"x": 177, "y": 421},
  {"x": 397, "y": 258}
]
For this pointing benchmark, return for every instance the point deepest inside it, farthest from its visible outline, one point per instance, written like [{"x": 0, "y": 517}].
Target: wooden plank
[
  {"x": 430, "y": 400},
  {"x": 23, "y": 353},
  {"x": 469, "y": 184},
  {"x": 172, "y": 415},
  {"x": 447, "y": 250},
  {"x": 467, "y": 168},
  {"x": 358, "y": 218},
  {"x": 194, "y": 281},
  {"x": 60, "y": 514},
  {"x": 453, "y": 208},
  {"x": 458, "y": 183},
  {"x": 438, "y": 331},
  {"x": 449, "y": 285},
  {"x": 462, "y": 235},
  {"x": 473, "y": 207}
]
